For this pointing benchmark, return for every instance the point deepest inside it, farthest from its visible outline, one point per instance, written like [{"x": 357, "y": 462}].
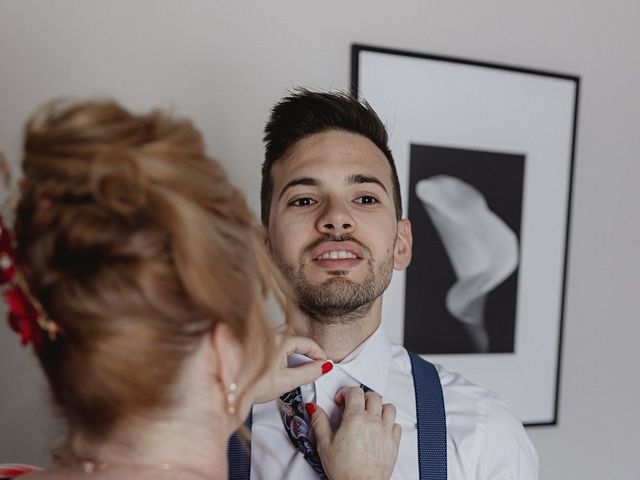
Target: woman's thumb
[{"x": 320, "y": 425}]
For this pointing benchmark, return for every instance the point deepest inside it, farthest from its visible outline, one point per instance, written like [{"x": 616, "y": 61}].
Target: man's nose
[{"x": 336, "y": 218}]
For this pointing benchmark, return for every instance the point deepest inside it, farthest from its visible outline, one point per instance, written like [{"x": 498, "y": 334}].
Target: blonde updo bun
[{"x": 136, "y": 244}]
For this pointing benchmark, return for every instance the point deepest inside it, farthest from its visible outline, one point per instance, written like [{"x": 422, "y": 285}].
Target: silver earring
[{"x": 231, "y": 398}]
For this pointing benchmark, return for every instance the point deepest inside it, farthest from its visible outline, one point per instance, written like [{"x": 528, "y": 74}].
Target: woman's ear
[
  {"x": 227, "y": 355},
  {"x": 263, "y": 234},
  {"x": 404, "y": 243}
]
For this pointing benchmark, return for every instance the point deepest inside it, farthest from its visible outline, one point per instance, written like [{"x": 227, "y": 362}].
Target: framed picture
[{"x": 484, "y": 155}]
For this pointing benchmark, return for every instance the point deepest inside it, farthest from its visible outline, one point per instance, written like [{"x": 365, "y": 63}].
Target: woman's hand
[
  {"x": 280, "y": 378},
  {"x": 365, "y": 444}
]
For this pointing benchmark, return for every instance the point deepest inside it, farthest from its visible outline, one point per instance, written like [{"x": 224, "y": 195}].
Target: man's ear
[{"x": 404, "y": 243}]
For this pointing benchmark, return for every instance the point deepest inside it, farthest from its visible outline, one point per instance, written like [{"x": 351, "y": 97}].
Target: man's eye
[
  {"x": 366, "y": 200},
  {"x": 302, "y": 202}
]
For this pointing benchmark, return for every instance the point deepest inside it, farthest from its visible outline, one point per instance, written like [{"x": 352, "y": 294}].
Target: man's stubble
[{"x": 338, "y": 300}]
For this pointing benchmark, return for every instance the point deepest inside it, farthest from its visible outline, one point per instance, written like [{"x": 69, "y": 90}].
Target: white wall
[{"x": 225, "y": 63}]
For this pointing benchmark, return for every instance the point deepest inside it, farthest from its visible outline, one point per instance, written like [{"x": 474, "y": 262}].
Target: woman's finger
[
  {"x": 294, "y": 377},
  {"x": 388, "y": 414},
  {"x": 352, "y": 398},
  {"x": 397, "y": 433},
  {"x": 304, "y": 346},
  {"x": 320, "y": 425},
  {"x": 373, "y": 403}
]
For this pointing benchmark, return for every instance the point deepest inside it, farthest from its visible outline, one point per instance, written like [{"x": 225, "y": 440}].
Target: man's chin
[
  {"x": 336, "y": 299},
  {"x": 337, "y": 279},
  {"x": 334, "y": 275}
]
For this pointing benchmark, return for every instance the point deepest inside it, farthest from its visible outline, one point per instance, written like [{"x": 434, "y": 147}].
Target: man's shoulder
[
  {"x": 458, "y": 387},
  {"x": 466, "y": 399},
  {"x": 460, "y": 394},
  {"x": 474, "y": 406},
  {"x": 476, "y": 415},
  {"x": 454, "y": 385}
]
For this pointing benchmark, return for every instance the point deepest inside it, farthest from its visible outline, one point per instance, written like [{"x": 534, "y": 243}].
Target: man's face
[{"x": 332, "y": 227}]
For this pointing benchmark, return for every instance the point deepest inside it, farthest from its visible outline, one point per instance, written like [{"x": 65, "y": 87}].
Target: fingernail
[
  {"x": 311, "y": 408},
  {"x": 326, "y": 367}
]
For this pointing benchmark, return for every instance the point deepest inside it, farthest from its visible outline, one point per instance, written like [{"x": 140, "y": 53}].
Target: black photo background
[{"x": 429, "y": 327}]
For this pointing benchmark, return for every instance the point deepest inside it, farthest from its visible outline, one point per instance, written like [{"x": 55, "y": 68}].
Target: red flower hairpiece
[
  {"x": 26, "y": 316},
  {"x": 7, "y": 255}
]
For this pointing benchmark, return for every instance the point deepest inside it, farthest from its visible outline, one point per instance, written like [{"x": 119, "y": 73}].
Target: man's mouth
[
  {"x": 342, "y": 250},
  {"x": 335, "y": 255}
]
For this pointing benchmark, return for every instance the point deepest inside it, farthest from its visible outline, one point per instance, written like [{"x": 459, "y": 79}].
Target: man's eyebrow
[
  {"x": 308, "y": 181},
  {"x": 360, "y": 178}
]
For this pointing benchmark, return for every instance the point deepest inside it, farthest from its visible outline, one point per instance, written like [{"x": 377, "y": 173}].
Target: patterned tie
[{"x": 296, "y": 423}]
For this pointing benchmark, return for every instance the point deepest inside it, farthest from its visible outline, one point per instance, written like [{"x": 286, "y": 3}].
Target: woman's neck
[
  {"x": 168, "y": 445},
  {"x": 190, "y": 437}
]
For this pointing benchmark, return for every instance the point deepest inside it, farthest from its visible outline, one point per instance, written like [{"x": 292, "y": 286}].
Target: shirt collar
[{"x": 369, "y": 363}]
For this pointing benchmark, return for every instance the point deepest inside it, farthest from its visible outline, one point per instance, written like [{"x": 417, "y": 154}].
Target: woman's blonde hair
[{"x": 136, "y": 244}]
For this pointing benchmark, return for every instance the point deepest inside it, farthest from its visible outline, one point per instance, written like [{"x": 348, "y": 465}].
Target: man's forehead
[{"x": 332, "y": 156}]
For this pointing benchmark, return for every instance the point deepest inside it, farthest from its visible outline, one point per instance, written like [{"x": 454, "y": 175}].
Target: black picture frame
[{"x": 485, "y": 153}]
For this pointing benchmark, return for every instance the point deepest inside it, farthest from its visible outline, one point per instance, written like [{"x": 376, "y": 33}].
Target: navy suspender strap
[
  {"x": 239, "y": 454},
  {"x": 431, "y": 420}
]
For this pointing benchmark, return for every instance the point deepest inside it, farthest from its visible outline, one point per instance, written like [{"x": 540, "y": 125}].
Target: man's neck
[{"x": 338, "y": 339}]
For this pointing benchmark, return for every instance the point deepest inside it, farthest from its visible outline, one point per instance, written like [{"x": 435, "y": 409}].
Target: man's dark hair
[{"x": 306, "y": 112}]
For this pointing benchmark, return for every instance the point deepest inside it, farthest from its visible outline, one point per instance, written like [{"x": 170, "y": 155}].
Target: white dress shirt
[{"x": 485, "y": 440}]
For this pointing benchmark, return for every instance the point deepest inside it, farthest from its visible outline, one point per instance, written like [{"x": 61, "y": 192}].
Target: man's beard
[{"x": 339, "y": 299}]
